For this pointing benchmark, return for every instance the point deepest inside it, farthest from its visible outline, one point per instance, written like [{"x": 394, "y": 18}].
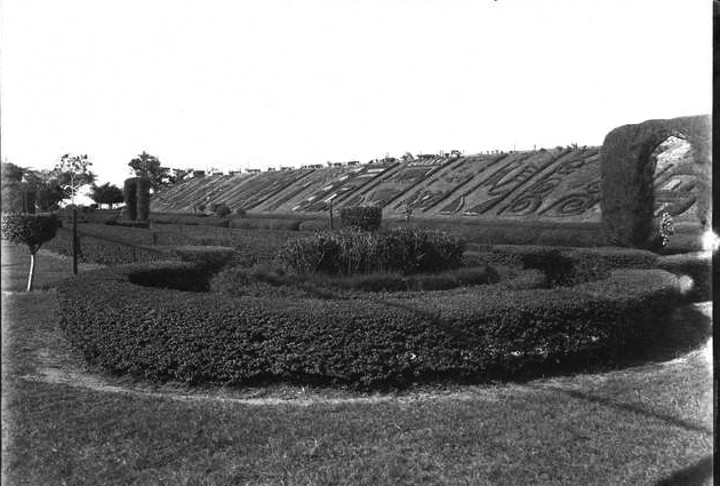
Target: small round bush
[{"x": 222, "y": 210}]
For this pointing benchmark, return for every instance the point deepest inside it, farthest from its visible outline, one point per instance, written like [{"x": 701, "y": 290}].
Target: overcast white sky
[{"x": 257, "y": 83}]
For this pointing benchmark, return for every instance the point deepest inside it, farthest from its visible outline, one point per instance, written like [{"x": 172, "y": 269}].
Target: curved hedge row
[{"x": 365, "y": 341}]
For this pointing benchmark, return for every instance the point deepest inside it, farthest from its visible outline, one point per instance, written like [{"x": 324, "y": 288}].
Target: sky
[{"x": 238, "y": 84}]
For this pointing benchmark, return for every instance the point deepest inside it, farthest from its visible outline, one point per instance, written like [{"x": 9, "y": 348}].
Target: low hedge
[
  {"x": 697, "y": 266},
  {"x": 370, "y": 342},
  {"x": 564, "y": 266},
  {"x": 280, "y": 224},
  {"x": 237, "y": 281}
]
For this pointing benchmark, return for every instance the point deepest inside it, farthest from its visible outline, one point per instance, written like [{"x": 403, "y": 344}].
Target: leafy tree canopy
[
  {"x": 106, "y": 194},
  {"x": 72, "y": 172},
  {"x": 146, "y": 165}
]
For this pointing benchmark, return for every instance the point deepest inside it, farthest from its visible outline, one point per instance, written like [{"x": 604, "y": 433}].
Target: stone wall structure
[{"x": 628, "y": 165}]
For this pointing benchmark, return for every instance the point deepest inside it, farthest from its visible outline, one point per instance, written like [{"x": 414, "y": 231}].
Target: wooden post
[
  {"x": 331, "y": 213},
  {"x": 75, "y": 242}
]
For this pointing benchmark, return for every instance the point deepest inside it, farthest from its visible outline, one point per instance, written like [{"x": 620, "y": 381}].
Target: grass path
[{"x": 66, "y": 424}]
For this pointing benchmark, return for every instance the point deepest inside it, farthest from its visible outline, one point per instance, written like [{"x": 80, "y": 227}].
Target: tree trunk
[{"x": 32, "y": 272}]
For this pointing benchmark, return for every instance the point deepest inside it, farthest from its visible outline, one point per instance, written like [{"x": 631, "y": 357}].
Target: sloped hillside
[{"x": 562, "y": 184}]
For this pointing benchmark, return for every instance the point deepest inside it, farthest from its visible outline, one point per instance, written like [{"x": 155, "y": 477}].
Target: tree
[
  {"x": 106, "y": 194},
  {"x": 11, "y": 172},
  {"x": 73, "y": 172},
  {"x": 146, "y": 165},
  {"x": 178, "y": 175},
  {"x": 32, "y": 230}
]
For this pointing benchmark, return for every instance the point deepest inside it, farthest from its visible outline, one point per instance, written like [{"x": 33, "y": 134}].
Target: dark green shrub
[
  {"x": 42, "y": 197},
  {"x": 697, "y": 267},
  {"x": 222, "y": 210},
  {"x": 243, "y": 281},
  {"x": 130, "y": 194},
  {"x": 176, "y": 276},
  {"x": 344, "y": 252},
  {"x": 566, "y": 266},
  {"x": 558, "y": 268},
  {"x": 363, "y": 218},
  {"x": 31, "y": 230},
  {"x": 208, "y": 259},
  {"x": 212, "y": 207},
  {"x": 240, "y": 212},
  {"x": 474, "y": 334},
  {"x": 143, "y": 198}
]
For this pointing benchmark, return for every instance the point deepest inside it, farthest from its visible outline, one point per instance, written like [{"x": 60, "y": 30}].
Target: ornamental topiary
[
  {"x": 31, "y": 230},
  {"x": 143, "y": 198},
  {"x": 364, "y": 218},
  {"x": 130, "y": 194}
]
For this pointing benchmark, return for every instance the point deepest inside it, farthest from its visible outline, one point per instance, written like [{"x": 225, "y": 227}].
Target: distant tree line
[{"x": 28, "y": 190}]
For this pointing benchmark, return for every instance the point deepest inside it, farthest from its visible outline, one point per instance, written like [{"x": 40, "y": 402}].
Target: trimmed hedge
[
  {"x": 249, "y": 281},
  {"x": 564, "y": 266},
  {"x": 697, "y": 266},
  {"x": 464, "y": 334}
]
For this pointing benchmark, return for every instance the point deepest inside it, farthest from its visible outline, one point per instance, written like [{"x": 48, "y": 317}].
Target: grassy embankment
[{"x": 650, "y": 424}]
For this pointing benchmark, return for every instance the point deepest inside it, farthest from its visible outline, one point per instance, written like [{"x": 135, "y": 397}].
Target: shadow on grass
[
  {"x": 698, "y": 474},
  {"x": 633, "y": 408}
]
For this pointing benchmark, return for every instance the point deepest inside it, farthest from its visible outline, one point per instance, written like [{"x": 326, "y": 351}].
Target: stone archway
[{"x": 628, "y": 163}]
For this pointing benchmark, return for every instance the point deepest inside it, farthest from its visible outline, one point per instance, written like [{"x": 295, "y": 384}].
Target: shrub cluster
[
  {"x": 363, "y": 218},
  {"x": 344, "y": 252},
  {"x": 474, "y": 333}
]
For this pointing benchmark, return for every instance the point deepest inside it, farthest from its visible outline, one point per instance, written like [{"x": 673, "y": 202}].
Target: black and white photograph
[{"x": 357, "y": 242}]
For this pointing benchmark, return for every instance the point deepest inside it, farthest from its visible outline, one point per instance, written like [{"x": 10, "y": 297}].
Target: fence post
[{"x": 75, "y": 242}]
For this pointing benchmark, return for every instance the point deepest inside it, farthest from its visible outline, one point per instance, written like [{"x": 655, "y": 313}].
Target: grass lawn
[{"x": 649, "y": 424}]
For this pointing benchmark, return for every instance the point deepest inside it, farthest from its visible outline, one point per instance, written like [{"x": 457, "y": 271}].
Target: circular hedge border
[{"x": 367, "y": 341}]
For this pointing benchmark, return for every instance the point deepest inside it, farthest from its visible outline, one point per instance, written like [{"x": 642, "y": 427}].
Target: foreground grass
[{"x": 645, "y": 425}]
